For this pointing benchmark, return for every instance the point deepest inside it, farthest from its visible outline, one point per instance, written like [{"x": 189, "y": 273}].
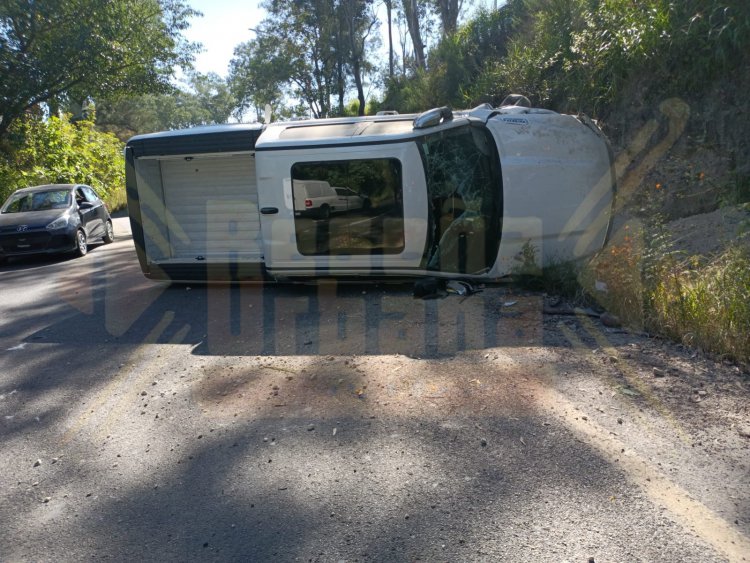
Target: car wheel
[
  {"x": 325, "y": 212},
  {"x": 366, "y": 205},
  {"x": 81, "y": 245},
  {"x": 109, "y": 233}
]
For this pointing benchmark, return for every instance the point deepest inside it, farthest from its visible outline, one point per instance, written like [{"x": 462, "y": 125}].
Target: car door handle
[{"x": 269, "y": 210}]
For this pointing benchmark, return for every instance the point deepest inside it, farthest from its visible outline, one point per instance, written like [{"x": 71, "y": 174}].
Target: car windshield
[{"x": 37, "y": 201}]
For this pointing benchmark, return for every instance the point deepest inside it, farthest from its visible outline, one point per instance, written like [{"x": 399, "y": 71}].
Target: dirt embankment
[{"x": 687, "y": 160}]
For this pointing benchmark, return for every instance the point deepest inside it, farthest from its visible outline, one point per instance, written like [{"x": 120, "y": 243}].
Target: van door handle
[{"x": 269, "y": 210}]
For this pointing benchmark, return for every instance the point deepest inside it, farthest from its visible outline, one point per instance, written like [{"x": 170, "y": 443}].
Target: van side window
[{"x": 348, "y": 207}]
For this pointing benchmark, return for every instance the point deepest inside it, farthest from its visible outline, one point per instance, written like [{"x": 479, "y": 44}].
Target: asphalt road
[{"x": 141, "y": 421}]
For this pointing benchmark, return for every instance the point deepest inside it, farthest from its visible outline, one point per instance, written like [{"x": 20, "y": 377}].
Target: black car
[{"x": 55, "y": 218}]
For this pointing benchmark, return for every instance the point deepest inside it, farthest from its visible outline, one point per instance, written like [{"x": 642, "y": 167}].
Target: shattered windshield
[
  {"x": 37, "y": 201},
  {"x": 464, "y": 189}
]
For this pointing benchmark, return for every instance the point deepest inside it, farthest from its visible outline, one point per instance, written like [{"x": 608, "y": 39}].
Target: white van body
[{"x": 441, "y": 194}]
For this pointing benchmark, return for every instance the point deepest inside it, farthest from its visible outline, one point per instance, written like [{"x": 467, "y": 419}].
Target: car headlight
[{"x": 58, "y": 223}]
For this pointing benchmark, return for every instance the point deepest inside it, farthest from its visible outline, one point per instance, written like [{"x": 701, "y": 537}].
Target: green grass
[
  {"x": 706, "y": 306},
  {"x": 702, "y": 303}
]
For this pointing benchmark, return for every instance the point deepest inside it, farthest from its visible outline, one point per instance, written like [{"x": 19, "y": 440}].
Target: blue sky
[{"x": 225, "y": 24}]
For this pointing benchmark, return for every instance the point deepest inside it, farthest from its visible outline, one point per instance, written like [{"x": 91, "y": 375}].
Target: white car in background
[
  {"x": 314, "y": 198},
  {"x": 349, "y": 200}
]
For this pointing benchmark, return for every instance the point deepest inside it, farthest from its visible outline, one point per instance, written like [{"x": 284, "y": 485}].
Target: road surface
[{"x": 342, "y": 422}]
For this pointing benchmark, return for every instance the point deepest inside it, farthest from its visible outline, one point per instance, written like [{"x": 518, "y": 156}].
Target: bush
[
  {"x": 581, "y": 55},
  {"x": 614, "y": 279},
  {"x": 700, "y": 302},
  {"x": 56, "y": 151},
  {"x": 707, "y": 306}
]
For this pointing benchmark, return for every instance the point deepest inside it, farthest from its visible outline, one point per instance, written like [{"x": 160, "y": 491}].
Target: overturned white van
[{"x": 441, "y": 194}]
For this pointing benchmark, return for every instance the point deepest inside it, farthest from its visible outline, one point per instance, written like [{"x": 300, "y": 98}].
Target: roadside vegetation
[
  {"x": 701, "y": 301},
  {"x": 55, "y": 150},
  {"x": 617, "y": 60}
]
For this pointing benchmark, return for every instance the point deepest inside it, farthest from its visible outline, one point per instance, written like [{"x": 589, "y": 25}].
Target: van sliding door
[{"x": 368, "y": 216}]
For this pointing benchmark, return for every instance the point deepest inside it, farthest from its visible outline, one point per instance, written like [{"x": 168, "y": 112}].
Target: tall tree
[
  {"x": 204, "y": 99},
  {"x": 214, "y": 97},
  {"x": 294, "y": 50},
  {"x": 358, "y": 22},
  {"x": 312, "y": 50},
  {"x": 52, "y": 49},
  {"x": 257, "y": 75},
  {"x": 412, "y": 13},
  {"x": 448, "y": 10},
  {"x": 389, "y": 10}
]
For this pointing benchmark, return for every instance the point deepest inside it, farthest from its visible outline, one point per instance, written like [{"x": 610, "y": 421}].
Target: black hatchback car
[{"x": 55, "y": 218}]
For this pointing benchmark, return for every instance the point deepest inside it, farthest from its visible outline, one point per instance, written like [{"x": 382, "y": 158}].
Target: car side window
[
  {"x": 89, "y": 194},
  {"x": 80, "y": 196}
]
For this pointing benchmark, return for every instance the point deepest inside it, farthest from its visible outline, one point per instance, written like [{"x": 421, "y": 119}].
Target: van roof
[
  {"x": 322, "y": 132},
  {"x": 200, "y": 130},
  {"x": 351, "y": 130}
]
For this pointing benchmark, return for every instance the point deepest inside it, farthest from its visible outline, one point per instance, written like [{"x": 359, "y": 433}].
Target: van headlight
[{"x": 60, "y": 223}]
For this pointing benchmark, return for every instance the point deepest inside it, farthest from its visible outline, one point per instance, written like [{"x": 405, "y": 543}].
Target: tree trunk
[
  {"x": 4, "y": 124},
  {"x": 389, "y": 7},
  {"x": 411, "y": 11},
  {"x": 448, "y": 10},
  {"x": 10, "y": 114},
  {"x": 341, "y": 85},
  {"x": 360, "y": 87}
]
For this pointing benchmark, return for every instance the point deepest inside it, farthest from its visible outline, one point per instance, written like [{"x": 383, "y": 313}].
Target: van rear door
[{"x": 199, "y": 207}]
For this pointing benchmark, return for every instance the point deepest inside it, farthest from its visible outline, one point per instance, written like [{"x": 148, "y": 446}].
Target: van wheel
[{"x": 325, "y": 211}]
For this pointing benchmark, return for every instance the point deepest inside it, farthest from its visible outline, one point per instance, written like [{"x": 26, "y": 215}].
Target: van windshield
[{"x": 464, "y": 188}]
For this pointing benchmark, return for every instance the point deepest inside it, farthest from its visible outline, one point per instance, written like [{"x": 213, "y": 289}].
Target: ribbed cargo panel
[{"x": 212, "y": 207}]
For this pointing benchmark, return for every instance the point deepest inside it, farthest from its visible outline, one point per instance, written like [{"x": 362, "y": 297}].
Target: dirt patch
[
  {"x": 490, "y": 383},
  {"x": 709, "y": 233}
]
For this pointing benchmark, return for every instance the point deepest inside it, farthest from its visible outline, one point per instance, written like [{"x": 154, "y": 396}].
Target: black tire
[
  {"x": 325, "y": 211},
  {"x": 366, "y": 205},
  {"x": 109, "y": 233},
  {"x": 81, "y": 244}
]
